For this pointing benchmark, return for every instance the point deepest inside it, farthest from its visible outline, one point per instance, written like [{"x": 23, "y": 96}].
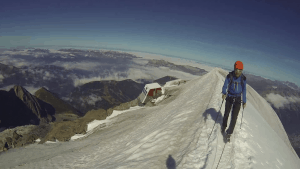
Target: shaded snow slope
[{"x": 181, "y": 131}]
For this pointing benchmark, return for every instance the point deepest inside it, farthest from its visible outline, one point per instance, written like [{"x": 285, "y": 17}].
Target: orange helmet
[{"x": 238, "y": 65}]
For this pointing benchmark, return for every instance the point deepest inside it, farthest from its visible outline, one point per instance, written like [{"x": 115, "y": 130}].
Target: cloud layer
[{"x": 279, "y": 101}]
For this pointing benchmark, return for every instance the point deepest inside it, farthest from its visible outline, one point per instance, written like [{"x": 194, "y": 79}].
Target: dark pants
[{"x": 236, "y": 102}]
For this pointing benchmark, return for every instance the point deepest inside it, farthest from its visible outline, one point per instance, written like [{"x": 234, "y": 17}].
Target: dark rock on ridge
[
  {"x": 162, "y": 81},
  {"x": 22, "y": 136},
  {"x": 63, "y": 131},
  {"x": 125, "y": 106}
]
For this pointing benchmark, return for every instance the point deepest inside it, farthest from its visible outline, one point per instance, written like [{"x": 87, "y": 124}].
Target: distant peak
[
  {"x": 43, "y": 88},
  {"x": 18, "y": 87}
]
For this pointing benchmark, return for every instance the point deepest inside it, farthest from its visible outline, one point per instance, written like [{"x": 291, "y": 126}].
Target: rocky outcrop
[
  {"x": 22, "y": 136},
  {"x": 162, "y": 81},
  {"x": 125, "y": 106},
  {"x": 15, "y": 141},
  {"x": 149, "y": 104},
  {"x": 63, "y": 131}
]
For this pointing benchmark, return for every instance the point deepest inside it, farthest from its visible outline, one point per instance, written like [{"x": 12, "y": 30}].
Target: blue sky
[{"x": 264, "y": 35}]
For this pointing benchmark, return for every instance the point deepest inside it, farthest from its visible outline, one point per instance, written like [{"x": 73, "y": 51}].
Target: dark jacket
[{"x": 236, "y": 87}]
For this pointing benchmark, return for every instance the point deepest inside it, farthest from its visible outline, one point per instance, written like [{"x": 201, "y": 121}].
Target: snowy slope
[{"x": 181, "y": 131}]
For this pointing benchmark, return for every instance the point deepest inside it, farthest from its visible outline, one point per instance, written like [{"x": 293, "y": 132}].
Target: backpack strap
[
  {"x": 230, "y": 76},
  {"x": 243, "y": 79}
]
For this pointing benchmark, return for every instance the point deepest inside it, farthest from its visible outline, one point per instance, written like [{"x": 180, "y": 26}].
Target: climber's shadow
[
  {"x": 171, "y": 163},
  {"x": 216, "y": 116}
]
